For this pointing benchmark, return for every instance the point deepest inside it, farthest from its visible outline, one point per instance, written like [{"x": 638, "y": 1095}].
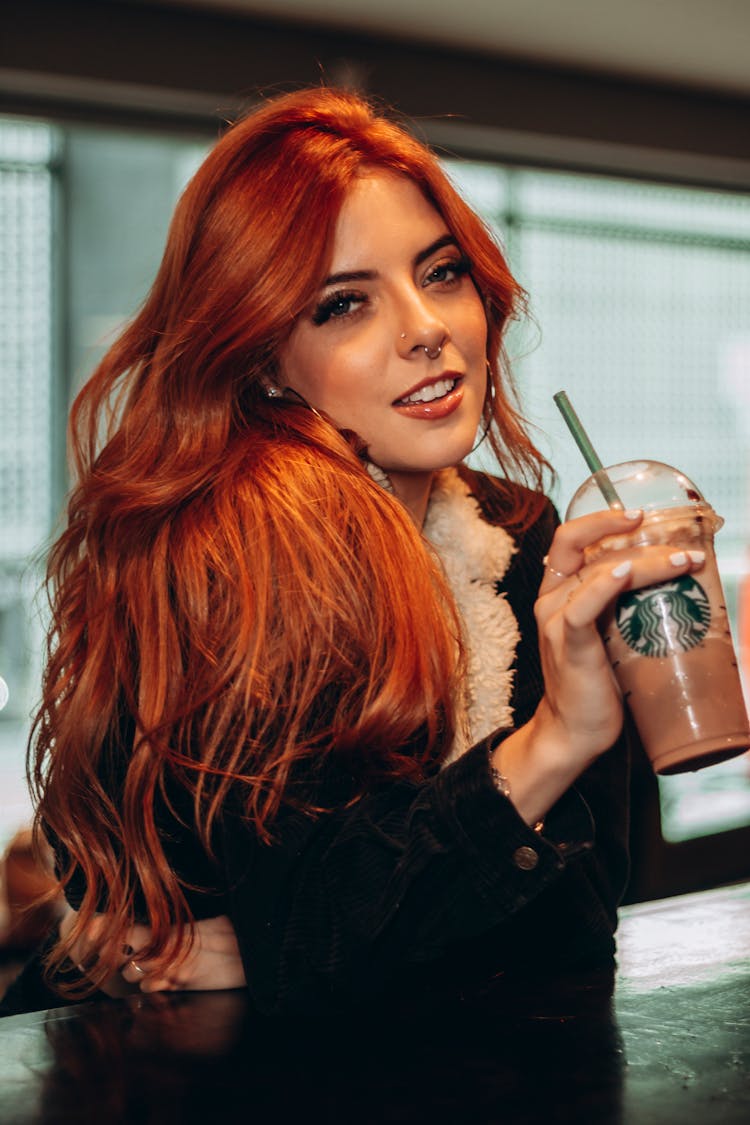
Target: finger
[
  {"x": 87, "y": 944},
  {"x": 585, "y": 601},
  {"x": 137, "y": 937},
  {"x": 138, "y": 940},
  {"x": 159, "y": 983},
  {"x": 600, "y": 584},
  {"x": 135, "y": 971},
  {"x": 566, "y": 554},
  {"x": 143, "y": 971}
]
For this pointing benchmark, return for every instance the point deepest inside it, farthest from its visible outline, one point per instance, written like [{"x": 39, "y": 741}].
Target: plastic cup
[{"x": 670, "y": 645}]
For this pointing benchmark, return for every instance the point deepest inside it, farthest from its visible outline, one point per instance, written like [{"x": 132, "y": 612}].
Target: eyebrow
[{"x": 370, "y": 275}]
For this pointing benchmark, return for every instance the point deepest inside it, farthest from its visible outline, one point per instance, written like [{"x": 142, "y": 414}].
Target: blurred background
[{"x": 606, "y": 143}]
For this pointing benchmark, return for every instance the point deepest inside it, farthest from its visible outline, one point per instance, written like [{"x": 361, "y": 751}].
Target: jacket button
[{"x": 525, "y": 858}]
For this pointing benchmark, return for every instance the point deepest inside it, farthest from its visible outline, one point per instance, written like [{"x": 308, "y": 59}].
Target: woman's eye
[
  {"x": 448, "y": 271},
  {"x": 337, "y": 305}
]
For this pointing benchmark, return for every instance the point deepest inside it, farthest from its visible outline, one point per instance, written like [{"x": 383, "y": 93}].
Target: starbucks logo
[{"x": 664, "y": 619}]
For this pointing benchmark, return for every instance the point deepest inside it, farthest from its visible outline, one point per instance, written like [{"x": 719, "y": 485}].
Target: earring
[
  {"x": 273, "y": 392},
  {"x": 489, "y": 393},
  {"x": 488, "y": 396}
]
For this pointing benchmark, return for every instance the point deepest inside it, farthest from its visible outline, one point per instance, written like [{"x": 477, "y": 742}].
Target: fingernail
[
  {"x": 622, "y": 569},
  {"x": 697, "y": 556},
  {"x": 633, "y": 514},
  {"x": 679, "y": 558}
]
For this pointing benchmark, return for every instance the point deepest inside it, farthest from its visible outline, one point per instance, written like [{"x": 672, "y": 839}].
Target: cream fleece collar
[{"x": 475, "y": 555}]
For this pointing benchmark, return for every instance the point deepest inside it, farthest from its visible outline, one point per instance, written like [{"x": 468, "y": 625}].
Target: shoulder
[{"x": 520, "y": 509}]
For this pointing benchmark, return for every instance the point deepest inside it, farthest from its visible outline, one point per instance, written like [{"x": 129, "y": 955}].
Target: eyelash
[
  {"x": 459, "y": 267},
  {"x": 327, "y": 309}
]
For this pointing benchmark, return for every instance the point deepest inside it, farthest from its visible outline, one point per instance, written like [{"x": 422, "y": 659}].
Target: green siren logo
[{"x": 663, "y": 619}]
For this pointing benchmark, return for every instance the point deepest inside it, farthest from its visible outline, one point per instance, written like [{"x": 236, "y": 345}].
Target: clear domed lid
[{"x": 648, "y": 485}]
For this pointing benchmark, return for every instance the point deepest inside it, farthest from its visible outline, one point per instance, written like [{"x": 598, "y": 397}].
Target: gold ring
[
  {"x": 138, "y": 968},
  {"x": 557, "y": 573},
  {"x": 552, "y": 570}
]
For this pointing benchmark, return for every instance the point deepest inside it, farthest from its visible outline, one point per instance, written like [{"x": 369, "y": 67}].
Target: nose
[{"x": 422, "y": 330}]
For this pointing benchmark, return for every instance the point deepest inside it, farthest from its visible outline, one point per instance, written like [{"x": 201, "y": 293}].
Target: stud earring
[{"x": 273, "y": 392}]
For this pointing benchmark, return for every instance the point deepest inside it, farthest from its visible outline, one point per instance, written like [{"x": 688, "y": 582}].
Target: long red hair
[{"x": 230, "y": 578}]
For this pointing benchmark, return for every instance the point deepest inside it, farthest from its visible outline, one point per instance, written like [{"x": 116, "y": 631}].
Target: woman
[{"x": 294, "y": 690}]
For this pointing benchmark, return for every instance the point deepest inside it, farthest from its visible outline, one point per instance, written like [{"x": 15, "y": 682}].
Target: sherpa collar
[{"x": 475, "y": 556}]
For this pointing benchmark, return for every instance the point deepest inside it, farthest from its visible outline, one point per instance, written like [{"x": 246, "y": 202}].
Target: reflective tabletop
[{"x": 666, "y": 1040}]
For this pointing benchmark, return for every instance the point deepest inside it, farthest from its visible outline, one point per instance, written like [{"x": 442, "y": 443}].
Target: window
[
  {"x": 641, "y": 295},
  {"x": 640, "y": 301},
  {"x": 83, "y": 219},
  {"x": 28, "y": 154}
]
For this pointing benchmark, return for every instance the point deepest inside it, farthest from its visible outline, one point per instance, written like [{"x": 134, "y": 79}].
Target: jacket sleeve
[
  {"x": 338, "y": 907},
  {"x": 409, "y": 877}
]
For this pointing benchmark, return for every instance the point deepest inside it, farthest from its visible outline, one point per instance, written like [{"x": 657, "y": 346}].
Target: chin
[
  {"x": 440, "y": 450},
  {"x": 451, "y": 453},
  {"x": 429, "y": 464}
]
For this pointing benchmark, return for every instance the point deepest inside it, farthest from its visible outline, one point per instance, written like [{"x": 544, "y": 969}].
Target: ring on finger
[
  {"x": 560, "y": 573},
  {"x": 551, "y": 569},
  {"x": 137, "y": 968}
]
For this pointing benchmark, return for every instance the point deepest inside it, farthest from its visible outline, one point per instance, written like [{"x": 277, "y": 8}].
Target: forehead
[{"x": 382, "y": 212}]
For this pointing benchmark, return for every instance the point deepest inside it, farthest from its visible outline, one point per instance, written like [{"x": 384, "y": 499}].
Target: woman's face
[{"x": 398, "y": 290}]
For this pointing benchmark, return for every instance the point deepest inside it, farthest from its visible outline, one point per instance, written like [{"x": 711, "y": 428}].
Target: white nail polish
[
  {"x": 622, "y": 569},
  {"x": 679, "y": 558},
  {"x": 697, "y": 556},
  {"x": 632, "y": 514}
]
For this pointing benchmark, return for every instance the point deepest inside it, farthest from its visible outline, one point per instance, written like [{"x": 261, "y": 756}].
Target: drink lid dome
[{"x": 648, "y": 485}]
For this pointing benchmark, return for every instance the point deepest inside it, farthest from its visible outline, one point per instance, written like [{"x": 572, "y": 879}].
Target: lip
[
  {"x": 428, "y": 382},
  {"x": 438, "y": 407}
]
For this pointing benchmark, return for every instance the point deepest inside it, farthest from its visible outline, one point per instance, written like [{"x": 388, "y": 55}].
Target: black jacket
[{"x": 414, "y": 886}]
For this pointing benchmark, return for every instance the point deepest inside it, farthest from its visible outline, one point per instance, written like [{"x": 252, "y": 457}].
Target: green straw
[{"x": 590, "y": 455}]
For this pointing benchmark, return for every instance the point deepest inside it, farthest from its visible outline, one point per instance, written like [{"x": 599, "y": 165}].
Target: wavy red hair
[{"x": 230, "y": 577}]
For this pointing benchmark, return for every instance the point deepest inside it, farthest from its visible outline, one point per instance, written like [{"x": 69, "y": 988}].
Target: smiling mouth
[{"x": 429, "y": 393}]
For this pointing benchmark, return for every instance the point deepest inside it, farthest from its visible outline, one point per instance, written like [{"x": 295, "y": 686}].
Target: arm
[
  {"x": 445, "y": 861},
  {"x": 454, "y": 858},
  {"x": 340, "y": 906}
]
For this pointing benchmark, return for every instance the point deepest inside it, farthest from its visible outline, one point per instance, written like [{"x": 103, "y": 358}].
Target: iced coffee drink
[{"x": 670, "y": 645}]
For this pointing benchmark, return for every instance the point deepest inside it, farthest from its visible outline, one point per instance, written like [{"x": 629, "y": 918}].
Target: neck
[{"x": 413, "y": 490}]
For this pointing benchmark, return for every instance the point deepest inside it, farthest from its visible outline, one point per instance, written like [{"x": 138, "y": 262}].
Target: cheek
[
  {"x": 338, "y": 380},
  {"x": 304, "y": 365}
]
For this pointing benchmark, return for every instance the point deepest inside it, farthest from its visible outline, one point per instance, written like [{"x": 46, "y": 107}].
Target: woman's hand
[
  {"x": 581, "y": 713},
  {"x": 210, "y": 961},
  {"x": 581, "y": 695}
]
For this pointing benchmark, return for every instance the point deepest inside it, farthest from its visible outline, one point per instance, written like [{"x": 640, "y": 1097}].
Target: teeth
[{"x": 434, "y": 390}]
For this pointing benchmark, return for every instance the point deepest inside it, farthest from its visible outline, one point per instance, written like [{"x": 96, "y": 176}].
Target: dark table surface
[{"x": 671, "y": 1044}]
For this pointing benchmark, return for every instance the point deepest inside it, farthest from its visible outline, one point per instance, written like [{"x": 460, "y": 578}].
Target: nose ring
[{"x": 432, "y": 353}]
